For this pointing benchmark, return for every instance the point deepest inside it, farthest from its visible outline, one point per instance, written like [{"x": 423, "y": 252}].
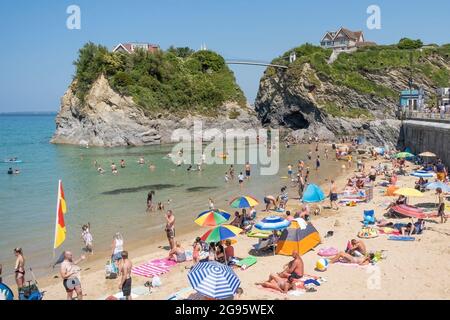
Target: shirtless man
[
  {"x": 70, "y": 273},
  {"x": 19, "y": 268},
  {"x": 294, "y": 269},
  {"x": 170, "y": 228},
  {"x": 347, "y": 258},
  {"x": 125, "y": 279},
  {"x": 358, "y": 248},
  {"x": 333, "y": 195}
]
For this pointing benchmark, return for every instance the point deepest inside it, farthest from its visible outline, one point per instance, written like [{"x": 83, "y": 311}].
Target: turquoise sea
[{"x": 110, "y": 203}]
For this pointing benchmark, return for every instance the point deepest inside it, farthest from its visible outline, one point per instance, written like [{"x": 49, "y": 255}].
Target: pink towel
[
  {"x": 163, "y": 262},
  {"x": 153, "y": 268},
  {"x": 148, "y": 270}
]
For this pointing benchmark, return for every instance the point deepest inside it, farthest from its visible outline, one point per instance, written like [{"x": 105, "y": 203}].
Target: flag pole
[{"x": 56, "y": 219}]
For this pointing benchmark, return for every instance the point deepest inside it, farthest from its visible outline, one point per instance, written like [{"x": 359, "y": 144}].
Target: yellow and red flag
[{"x": 61, "y": 209}]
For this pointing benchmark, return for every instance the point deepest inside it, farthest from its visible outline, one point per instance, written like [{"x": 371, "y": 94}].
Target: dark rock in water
[
  {"x": 140, "y": 188},
  {"x": 197, "y": 189}
]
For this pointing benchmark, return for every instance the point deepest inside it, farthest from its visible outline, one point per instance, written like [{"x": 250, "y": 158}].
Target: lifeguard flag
[{"x": 61, "y": 209}]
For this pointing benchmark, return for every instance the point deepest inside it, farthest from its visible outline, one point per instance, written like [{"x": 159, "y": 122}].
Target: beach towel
[
  {"x": 387, "y": 230},
  {"x": 355, "y": 265},
  {"x": 401, "y": 238},
  {"x": 247, "y": 262},
  {"x": 149, "y": 270},
  {"x": 165, "y": 262}
]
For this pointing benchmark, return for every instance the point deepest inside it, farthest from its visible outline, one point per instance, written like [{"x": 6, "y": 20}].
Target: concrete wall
[{"x": 423, "y": 136}]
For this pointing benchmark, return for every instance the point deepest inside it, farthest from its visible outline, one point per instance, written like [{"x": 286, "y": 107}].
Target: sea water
[{"x": 111, "y": 203}]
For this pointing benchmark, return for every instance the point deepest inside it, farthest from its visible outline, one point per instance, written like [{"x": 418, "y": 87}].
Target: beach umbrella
[
  {"x": 244, "y": 202},
  {"x": 422, "y": 174},
  {"x": 214, "y": 280},
  {"x": 313, "y": 194},
  {"x": 212, "y": 218},
  {"x": 438, "y": 184},
  {"x": 272, "y": 223},
  {"x": 408, "y": 192},
  {"x": 404, "y": 155},
  {"x": 6, "y": 293},
  {"x": 220, "y": 233},
  {"x": 427, "y": 154}
]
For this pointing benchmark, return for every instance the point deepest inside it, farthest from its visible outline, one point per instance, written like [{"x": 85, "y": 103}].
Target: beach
[{"x": 411, "y": 269}]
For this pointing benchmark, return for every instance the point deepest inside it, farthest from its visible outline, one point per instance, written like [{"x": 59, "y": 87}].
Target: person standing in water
[
  {"x": 241, "y": 180},
  {"x": 141, "y": 160},
  {"x": 122, "y": 164},
  {"x": 231, "y": 172},
  {"x": 19, "y": 269},
  {"x": 247, "y": 170},
  {"x": 114, "y": 168},
  {"x": 125, "y": 279},
  {"x": 170, "y": 228},
  {"x": 150, "y": 201}
]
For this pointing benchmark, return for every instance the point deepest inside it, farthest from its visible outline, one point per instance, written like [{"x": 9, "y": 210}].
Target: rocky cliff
[
  {"x": 357, "y": 94},
  {"x": 106, "y": 118}
]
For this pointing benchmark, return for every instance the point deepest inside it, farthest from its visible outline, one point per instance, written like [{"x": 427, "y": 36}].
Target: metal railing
[{"x": 435, "y": 116}]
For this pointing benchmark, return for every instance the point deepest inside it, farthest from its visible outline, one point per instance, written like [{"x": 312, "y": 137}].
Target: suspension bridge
[{"x": 255, "y": 63}]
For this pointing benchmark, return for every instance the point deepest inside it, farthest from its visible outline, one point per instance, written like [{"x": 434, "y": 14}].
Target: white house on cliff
[{"x": 344, "y": 40}]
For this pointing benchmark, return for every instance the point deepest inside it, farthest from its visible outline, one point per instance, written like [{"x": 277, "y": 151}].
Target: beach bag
[{"x": 156, "y": 282}]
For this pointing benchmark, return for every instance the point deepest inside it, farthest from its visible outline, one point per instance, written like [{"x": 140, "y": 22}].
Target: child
[{"x": 87, "y": 237}]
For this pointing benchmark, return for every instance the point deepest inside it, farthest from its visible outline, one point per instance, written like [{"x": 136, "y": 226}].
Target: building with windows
[
  {"x": 131, "y": 47},
  {"x": 412, "y": 100},
  {"x": 344, "y": 40}
]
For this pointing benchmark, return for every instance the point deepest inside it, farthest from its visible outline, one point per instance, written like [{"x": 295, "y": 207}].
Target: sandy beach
[{"x": 412, "y": 269}]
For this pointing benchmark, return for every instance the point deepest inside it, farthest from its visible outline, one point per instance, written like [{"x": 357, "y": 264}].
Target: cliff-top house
[
  {"x": 131, "y": 47},
  {"x": 344, "y": 40}
]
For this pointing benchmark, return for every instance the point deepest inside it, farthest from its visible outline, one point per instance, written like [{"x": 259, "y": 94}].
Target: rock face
[
  {"x": 297, "y": 100},
  {"x": 108, "y": 119}
]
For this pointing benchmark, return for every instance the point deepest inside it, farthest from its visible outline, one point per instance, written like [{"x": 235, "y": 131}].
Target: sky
[{"x": 38, "y": 50}]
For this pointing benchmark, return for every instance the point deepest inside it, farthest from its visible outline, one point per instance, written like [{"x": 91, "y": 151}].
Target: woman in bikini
[
  {"x": 19, "y": 268},
  {"x": 347, "y": 258}
]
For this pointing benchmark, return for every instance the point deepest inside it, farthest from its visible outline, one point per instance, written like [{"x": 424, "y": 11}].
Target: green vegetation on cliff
[
  {"x": 358, "y": 70},
  {"x": 176, "y": 80}
]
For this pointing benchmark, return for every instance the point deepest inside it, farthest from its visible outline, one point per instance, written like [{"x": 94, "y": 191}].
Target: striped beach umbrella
[
  {"x": 214, "y": 280},
  {"x": 272, "y": 223},
  {"x": 244, "y": 202},
  {"x": 212, "y": 218},
  {"x": 220, "y": 233}
]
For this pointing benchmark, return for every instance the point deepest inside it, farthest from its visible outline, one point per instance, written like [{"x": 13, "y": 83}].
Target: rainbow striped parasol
[{"x": 244, "y": 202}]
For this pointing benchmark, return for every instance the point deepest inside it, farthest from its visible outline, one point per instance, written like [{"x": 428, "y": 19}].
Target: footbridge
[{"x": 255, "y": 63}]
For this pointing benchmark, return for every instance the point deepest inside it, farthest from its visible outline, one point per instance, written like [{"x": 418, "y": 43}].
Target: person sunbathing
[
  {"x": 277, "y": 283},
  {"x": 294, "y": 269},
  {"x": 177, "y": 254},
  {"x": 357, "y": 248},
  {"x": 400, "y": 200},
  {"x": 347, "y": 258}
]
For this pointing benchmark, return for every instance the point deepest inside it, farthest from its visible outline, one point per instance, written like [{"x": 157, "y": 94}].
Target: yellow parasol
[{"x": 408, "y": 192}]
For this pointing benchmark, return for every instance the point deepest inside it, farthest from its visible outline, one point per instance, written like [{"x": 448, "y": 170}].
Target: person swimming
[{"x": 10, "y": 171}]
